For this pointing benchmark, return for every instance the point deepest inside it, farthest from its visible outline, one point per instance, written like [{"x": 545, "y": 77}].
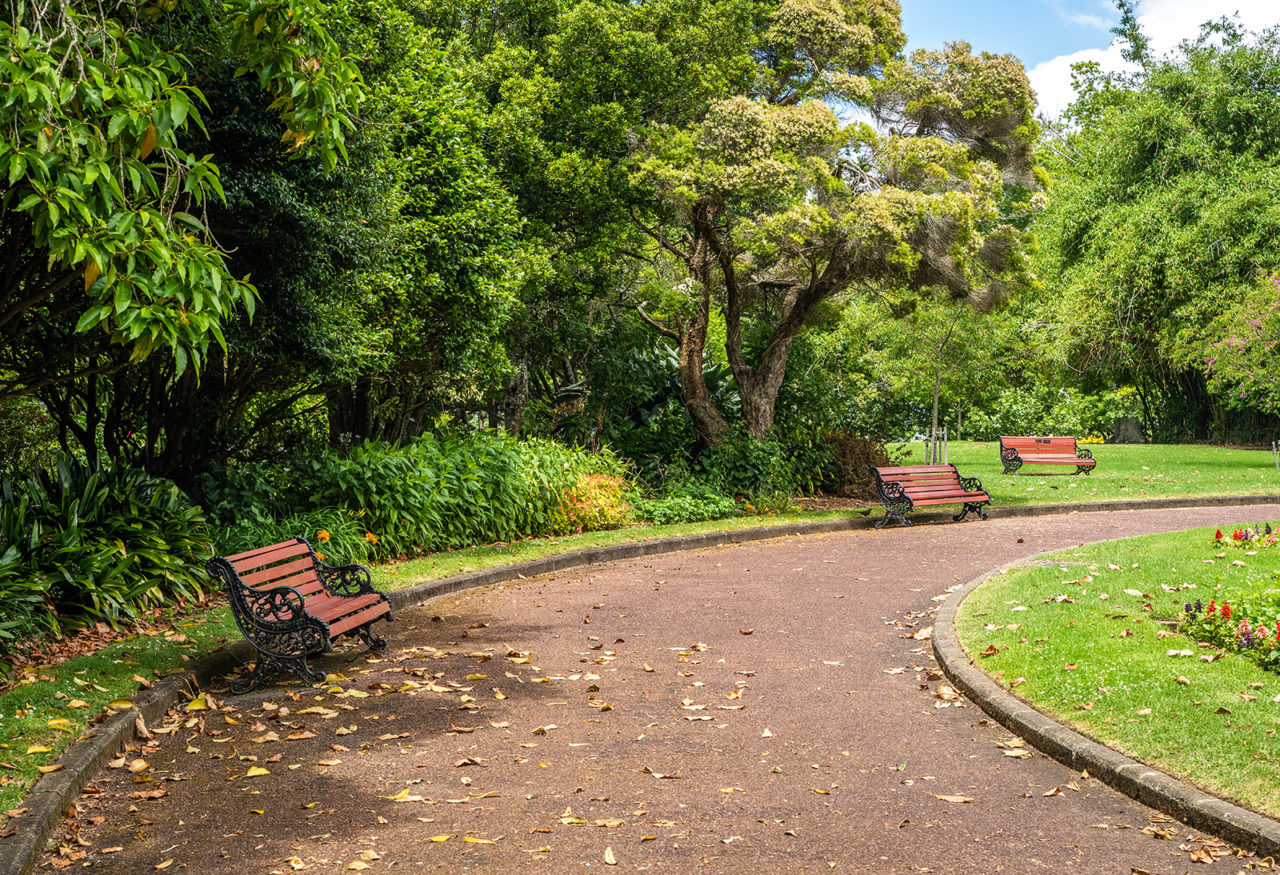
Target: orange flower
[
  {"x": 320, "y": 556},
  {"x": 323, "y": 536},
  {"x": 371, "y": 537}
]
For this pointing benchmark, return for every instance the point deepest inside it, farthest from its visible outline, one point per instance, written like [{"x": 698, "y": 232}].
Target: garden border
[
  {"x": 1156, "y": 789},
  {"x": 52, "y": 793}
]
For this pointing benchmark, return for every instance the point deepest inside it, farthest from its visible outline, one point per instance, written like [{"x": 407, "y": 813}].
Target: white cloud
[
  {"x": 1070, "y": 12},
  {"x": 1166, "y": 23}
]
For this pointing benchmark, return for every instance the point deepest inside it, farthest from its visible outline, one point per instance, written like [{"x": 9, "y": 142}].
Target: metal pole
[{"x": 946, "y": 446}]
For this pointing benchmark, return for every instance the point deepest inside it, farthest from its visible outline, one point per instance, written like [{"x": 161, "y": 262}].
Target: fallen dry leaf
[{"x": 948, "y": 798}]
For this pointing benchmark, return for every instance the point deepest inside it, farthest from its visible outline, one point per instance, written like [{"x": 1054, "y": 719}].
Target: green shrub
[
  {"x": 593, "y": 503},
  {"x": 434, "y": 493},
  {"x": 339, "y": 535},
  {"x": 77, "y": 543},
  {"x": 743, "y": 465},
  {"x": 684, "y": 501}
]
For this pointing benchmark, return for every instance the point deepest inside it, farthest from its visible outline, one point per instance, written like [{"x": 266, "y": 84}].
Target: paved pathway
[{"x": 759, "y": 707}]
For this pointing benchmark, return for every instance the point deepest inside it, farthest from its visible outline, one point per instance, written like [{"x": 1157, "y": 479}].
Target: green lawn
[
  {"x": 1087, "y": 638},
  {"x": 1124, "y": 472}
]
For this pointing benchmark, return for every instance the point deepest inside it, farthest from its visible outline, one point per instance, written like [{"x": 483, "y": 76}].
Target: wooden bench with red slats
[
  {"x": 289, "y": 604},
  {"x": 903, "y": 489},
  {"x": 1018, "y": 451}
]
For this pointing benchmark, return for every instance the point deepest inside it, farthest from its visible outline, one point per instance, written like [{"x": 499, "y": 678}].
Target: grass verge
[{"x": 1086, "y": 636}]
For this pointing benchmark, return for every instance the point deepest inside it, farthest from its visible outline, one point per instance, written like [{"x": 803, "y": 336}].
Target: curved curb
[
  {"x": 1153, "y": 788},
  {"x": 52, "y": 794}
]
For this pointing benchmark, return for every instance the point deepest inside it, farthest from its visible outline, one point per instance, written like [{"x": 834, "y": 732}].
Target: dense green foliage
[
  {"x": 103, "y": 227},
  {"x": 102, "y": 544},
  {"x": 1162, "y": 223},
  {"x": 430, "y": 494}
]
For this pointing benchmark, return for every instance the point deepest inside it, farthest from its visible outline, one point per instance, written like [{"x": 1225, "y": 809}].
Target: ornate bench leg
[
  {"x": 268, "y": 665},
  {"x": 1084, "y": 469},
  {"x": 373, "y": 642},
  {"x": 970, "y": 507},
  {"x": 893, "y": 514}
]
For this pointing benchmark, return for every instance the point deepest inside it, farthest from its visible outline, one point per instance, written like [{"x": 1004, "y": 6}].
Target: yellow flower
[
  {"x": 323, "y": 536},
  {"x": 371, "y": 537}
]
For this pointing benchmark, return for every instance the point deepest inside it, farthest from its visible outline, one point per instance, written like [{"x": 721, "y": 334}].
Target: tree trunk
[
  {"x": 758, "y": 387},
  {"x": 707, "y": 419},
  {"x": 691, "y": 336},
  {"x": 351, "y": 412},
  {"x": 517, "y": 398}
]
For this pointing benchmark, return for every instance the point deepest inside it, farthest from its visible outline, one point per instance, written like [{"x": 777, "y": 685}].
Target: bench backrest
[
  {"x": 920, "y": 477},
  {"x": 289, "y": 563},
  {"x": 1048, "y": 446}
]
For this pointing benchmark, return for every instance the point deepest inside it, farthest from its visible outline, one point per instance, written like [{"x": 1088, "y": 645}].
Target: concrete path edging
[
  {"x": 1153, "y": 788},
  {"x": 52, "y": 793}
]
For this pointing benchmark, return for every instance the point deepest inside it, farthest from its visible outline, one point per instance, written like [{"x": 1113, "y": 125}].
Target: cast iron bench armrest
[{"x": 345, "y": 580}]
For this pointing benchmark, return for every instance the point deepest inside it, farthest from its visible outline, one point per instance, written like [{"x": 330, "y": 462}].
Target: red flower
[
  {"x": 1213, "y": 609},
  {"x": 1226, "y": 611},
  {"x": 1217, "y": 536}
]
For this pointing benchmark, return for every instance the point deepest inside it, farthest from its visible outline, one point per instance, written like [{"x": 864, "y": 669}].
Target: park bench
[
  {"x": 289, "y": 605},
  {"x": 902, "y": 489},
  {"x": 1018, "y": 451}
]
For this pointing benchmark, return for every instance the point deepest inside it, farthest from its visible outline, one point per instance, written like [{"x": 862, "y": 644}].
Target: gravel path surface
[{"x": 762, "y": 707}]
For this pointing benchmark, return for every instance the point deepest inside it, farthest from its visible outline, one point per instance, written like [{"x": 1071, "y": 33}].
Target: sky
[{"x": 1048, "y": 36}]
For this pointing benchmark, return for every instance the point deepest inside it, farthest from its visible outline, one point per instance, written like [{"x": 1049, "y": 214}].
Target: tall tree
[
  {"x": 1163, "y": 222},
  {"x": 775, "y": 207}
]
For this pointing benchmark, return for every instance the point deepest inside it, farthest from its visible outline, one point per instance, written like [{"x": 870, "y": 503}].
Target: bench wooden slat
[
  {"x": 332, "y": 607},
  {"x": 252, "y": 559},
  {"x": 360, "y": 618},
  {"x": 276, "y": 572}
]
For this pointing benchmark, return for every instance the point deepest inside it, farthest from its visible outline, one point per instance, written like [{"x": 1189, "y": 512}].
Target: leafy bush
[
  {"x": 339, "y": 535},
  {"x": 743, "y": 465},
  {"x": 852, "y": 458},
  {"x": 1044, "y": 410},
  {"x": 593, "y": 503},
  {"x": 685, "y": 506},
  {"x": 28, "y": 436},
  {"x": 78, "y": 543},
  {"x": 436, "y": 492}
]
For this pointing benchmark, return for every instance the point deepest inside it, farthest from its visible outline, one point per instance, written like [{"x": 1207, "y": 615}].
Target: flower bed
[
  {"x": 1250, "y": 628},
  {"x": 1247, "y": 538}
]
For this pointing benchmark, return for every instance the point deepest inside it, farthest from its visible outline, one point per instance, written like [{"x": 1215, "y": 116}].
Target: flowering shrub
[
  {"x": 1231, "y": 629},
  {"x": 594, "y": 502},
  {"x": 1251, "y": 538}
]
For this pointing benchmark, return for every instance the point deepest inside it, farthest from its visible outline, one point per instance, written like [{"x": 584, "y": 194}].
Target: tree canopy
[{"x": 1164, "y": 221}]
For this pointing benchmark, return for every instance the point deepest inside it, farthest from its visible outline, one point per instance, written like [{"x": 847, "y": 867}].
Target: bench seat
[
  {"x": 1030, "y": 450},
  {"x": 289, "y": 605},
  {"x": 903, "y": 488}
]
